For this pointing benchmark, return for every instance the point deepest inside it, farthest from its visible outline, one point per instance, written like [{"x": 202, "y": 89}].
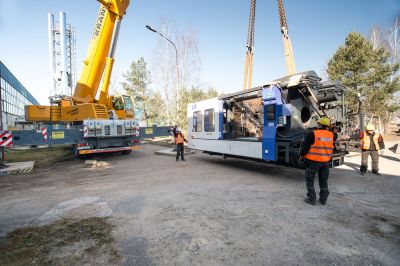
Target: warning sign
[
  {"x": 148, "y": 131},
  {"x": 57, "y": 134}
]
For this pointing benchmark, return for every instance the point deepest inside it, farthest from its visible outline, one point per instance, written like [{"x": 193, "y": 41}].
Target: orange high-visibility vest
[
  {"x": 322, "y": 149},
  {"x": 366, "y": 141},
  {"x": 179, "y": 139}
]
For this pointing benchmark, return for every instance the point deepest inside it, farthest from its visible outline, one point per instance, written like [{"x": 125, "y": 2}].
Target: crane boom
[
  {"x": 248, "y": 64},
  {"x": 100, "y": 58},
  {"x": 289, "y": 57}
]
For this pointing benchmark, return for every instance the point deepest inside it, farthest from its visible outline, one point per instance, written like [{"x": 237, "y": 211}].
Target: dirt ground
[{"x": 211, "y": 211}]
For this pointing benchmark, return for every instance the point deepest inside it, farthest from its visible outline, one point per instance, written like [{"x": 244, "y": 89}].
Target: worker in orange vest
[
  {"x": 179, "y": 140},
  {"x": 316, "y": 153},
  {"x": 371, "y": 143}
]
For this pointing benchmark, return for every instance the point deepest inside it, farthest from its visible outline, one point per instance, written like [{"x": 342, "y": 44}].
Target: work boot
[
  {"x": 308, "y": 201},
  {"x": 375, "y": 172},
  {"x": 363, "y": 169},
  {"x": 183, "y": 160},
  {"x": 177, "y": 160},
  {"x": 323, "y": 202}
]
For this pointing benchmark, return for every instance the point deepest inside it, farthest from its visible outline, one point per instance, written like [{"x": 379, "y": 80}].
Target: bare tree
[
  {"x": 164, "y": 65},
  {"x": 164, "y": 68},
  {"x": 114, "y": 87},
  {"x": 189, "y": 58},
  {"x": 375, "y": 38},
  {"x": 392, "y": 41}
]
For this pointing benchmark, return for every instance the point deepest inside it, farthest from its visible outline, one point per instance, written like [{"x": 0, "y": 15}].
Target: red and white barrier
[
  {"x": 5, "y": 139},
  {"x": 44, "y": 133},
  {"x": 85, "y": 132}
]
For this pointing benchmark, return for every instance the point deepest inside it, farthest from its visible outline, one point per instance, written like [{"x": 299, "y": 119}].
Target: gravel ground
[{"x": 210, "y": 211}]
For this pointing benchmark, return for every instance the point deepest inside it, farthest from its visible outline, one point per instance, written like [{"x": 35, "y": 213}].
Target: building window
[
  {"x": 209, "y": 120},
  {"x": 197, "y": 121}
]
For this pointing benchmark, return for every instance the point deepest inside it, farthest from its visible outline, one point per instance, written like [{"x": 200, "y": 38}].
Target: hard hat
[
  {"x": 324, "y": 121},
  {"x": 370, "y": 127}
]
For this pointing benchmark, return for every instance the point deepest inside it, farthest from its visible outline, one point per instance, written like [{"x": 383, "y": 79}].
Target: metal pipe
[
  {"x": 63, "y": 42},
  {"x": 114, "y": 38},
  {"x": 50, "y": 28}
]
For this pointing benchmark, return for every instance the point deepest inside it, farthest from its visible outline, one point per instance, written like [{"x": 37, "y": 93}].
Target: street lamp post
[{"x": 177, "y": 65}]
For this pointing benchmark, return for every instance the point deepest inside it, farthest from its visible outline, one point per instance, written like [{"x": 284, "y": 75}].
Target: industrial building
[{"x": 14, "y": 97}]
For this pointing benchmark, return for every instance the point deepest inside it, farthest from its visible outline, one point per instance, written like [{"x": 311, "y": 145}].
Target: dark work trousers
[
  {"x": 179, "y": 151},
  {"x": 364, "y": 160},
  {"x": 322, "y": 169}
]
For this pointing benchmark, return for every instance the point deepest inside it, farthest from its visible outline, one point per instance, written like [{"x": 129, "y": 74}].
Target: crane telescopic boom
[{"x": 101, "y": 52}]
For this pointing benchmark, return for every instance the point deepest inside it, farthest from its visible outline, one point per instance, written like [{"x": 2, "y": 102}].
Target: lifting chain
[
  {"x": 282, "y": 16},
  {"x": 251, "y": 28}
]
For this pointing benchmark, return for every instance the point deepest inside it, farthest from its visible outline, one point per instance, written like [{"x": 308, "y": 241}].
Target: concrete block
[
  {"x": 95, "y": 164},
  {"x": 101, "y": 164},
  {"x": 17, "y": 168},
  {"x": 90, "y": 163}
]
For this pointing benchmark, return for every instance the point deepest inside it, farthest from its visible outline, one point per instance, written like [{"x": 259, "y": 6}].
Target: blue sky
[{"x": 316, "y": 27}]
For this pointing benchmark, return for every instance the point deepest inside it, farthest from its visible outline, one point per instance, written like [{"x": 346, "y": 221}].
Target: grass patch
[
  {"x": 42, "y": 157},
  {"x": 66, "y": 242}
]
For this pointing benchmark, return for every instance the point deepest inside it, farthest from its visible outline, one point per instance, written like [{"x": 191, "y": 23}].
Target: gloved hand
[{"x": 382, "y": 152}]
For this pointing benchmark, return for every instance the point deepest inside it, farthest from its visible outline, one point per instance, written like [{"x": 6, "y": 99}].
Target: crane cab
[{"x": 123, "y": 106}]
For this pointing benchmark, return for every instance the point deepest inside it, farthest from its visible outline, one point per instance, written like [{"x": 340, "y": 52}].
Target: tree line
[
  {"x": 175, "y": 83},
  {"x": 152, "y": 106}
]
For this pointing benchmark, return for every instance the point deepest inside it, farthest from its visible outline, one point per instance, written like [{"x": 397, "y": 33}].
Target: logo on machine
[{"x": 99, "y": 22}]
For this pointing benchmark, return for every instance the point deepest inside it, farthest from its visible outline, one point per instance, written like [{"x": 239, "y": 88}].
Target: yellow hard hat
[
  {"x": 370, "y": 127},
  {"x": 324, "y": 121}
]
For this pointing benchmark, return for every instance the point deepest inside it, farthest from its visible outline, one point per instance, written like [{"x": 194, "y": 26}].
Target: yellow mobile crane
[
  {"x": 98, "y": 65},
  {"x": 91, "y": 125}
]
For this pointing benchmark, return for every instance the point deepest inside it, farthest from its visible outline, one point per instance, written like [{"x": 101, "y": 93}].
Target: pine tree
[
  {"x": 365, "y": 71},
  {"x": 156, "y": 109},
  {"x": 137, "y": 79}
]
